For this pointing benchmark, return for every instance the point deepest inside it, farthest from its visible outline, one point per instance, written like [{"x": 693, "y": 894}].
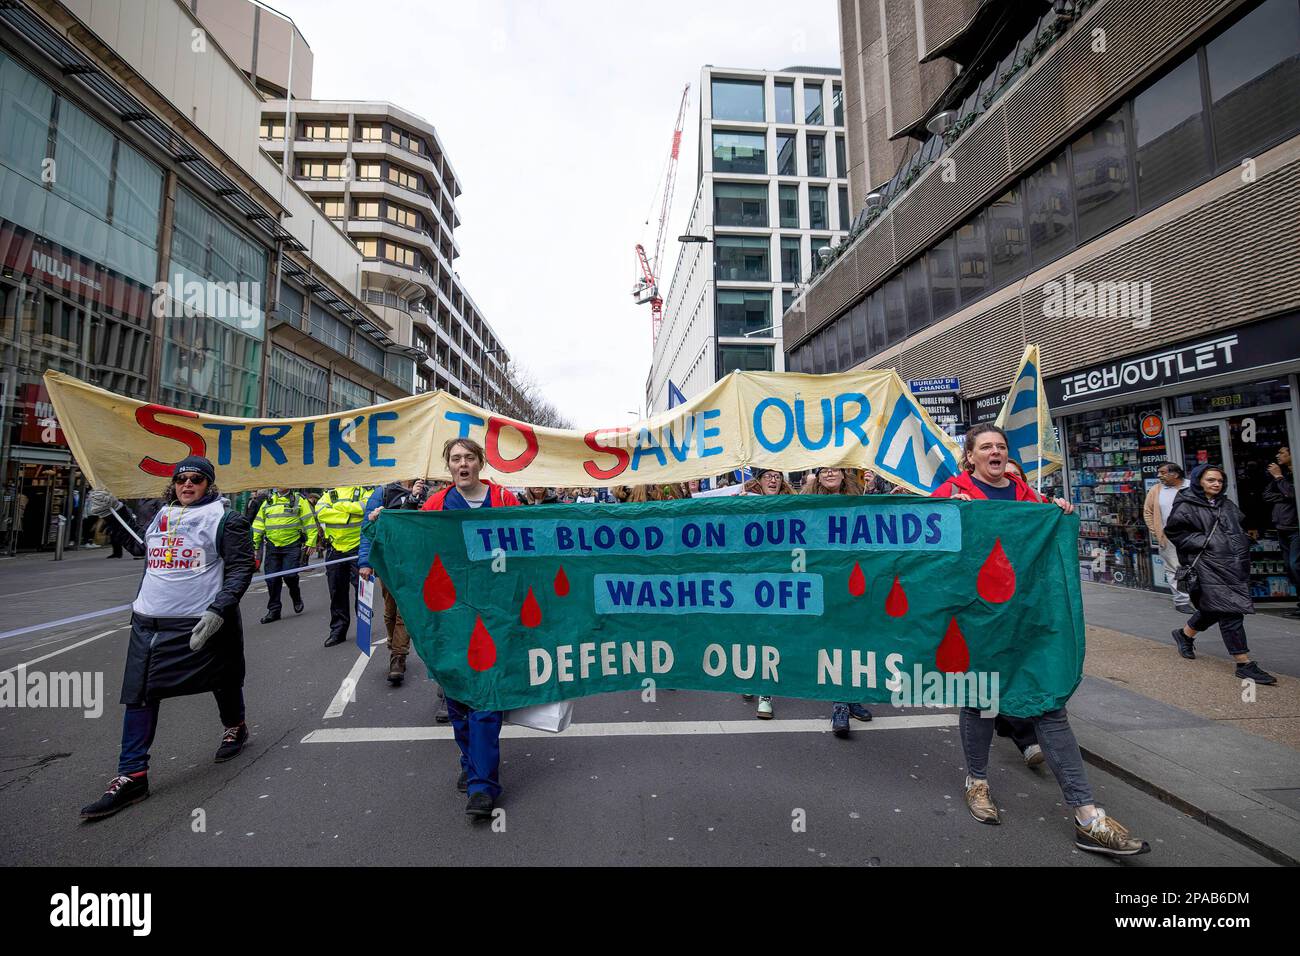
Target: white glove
[
  {"x": 208, "y": 625},
  {"x": 102, "y": 502}
]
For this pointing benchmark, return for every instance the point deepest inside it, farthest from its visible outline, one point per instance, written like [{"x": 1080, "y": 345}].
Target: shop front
[{"x": 1227, "y": 398}]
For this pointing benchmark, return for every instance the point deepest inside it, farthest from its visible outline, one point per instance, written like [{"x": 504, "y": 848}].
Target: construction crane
[{"x": 647, "y": 286}]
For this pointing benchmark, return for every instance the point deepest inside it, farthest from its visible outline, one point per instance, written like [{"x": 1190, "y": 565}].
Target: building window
[
  {"x": 369, "y": 248},
  {"x": 366, "y": 209},
  {"x": 841, "y": 160},
  {"x": 787, "y": 300},
  {"x": 837, "y": 103},
  {"x": 295, "y": 388},
  {"x": 334, "y": 132},
  {"x": 738, "y": 100},
  {"x": 895, "y": 310},
  {"x": 844, "y": 207},
  {"x": 370, "y": 172},
  {"x": 918, "y": 296},
  {"x": 742, "y": 258},
  {"x": 1103, "y": 194},
  {"x": 346, "y": 394},
  {"x": 84, "y": 152},
  {"x": 816, "y": 155},
  {"x": 861, "y": 337},
  {"x": 791, "y": 254},
  {"x": 1169, "y": 129},
  {"x": 405, "y": 178},
  {"x": 784, "y": 102},
  {"x": 744, "y": 358},
  {"x": 740, "y": 204},
  {"x": 206, "y": 248},
  {"x": 137, "y": 196},
  {"x": 1051, "y": 217},
  {"x": 402, "y": 215},
  {"x": 271, "y": 129},
  {"x": 1254, "y": 69},
  {"x": 371, "y": 132},
  {"x": 972, "y": 259},
  {"x": 943, "y": 278},
  {"x": 739, "y": 152},
  {"x": 742, "y": 311},
  {"x": 207, "y": 366},
  {"x": 786, "y": 159},
  {"x": 333, "y": 208},
  {"x": 1007, "y": 236},
  {"x": 788, "y": 199},
  {"x": 322, "y": 169},
  {"x": 876, "y": 327},
  {"x": 812, "y": 103},
  {"x": 818, "y": 211}
]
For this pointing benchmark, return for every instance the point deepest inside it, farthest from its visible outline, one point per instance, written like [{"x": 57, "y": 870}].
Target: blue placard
[{"x": 365, "y": 612}]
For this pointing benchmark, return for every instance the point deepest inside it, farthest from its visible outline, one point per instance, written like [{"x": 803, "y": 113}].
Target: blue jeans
[
  {"x": 478, "y": 734},
  {"x": 1054, "y": 736},
  {"x": 140, "y": 723}
]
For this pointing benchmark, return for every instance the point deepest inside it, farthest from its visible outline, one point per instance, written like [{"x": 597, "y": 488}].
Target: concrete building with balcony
[
  {"x": 381, "y": 174},
  {"x": 771, "y": 192},
  {"x": 1117, "y": 181}
]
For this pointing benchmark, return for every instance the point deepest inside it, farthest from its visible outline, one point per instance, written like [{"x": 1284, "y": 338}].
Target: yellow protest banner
[{"x": 788, "y": 421}]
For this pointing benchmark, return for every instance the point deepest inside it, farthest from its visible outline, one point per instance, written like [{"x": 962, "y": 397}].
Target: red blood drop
[
  {"x": 857, "y": 581},
  {"x": 997, "y": 578},
  {"x": 561, "y": 583},
  {"x": 953, "y": 656},
  {"x": 530, "y": 615},
  {"x": 896, "y": 603},
  {"x": 439, "y": 592},
  {"x": 482, "y": 650}
]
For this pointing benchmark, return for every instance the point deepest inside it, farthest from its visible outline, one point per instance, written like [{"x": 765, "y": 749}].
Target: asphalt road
[{"x": 311, "y": 790}]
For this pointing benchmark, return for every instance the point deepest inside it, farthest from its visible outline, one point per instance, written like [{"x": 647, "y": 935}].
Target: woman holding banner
[
  {"x": 985, "y": 477},
  {"x": 478, "y": 732},
  {"x": 186, "y": 633}
]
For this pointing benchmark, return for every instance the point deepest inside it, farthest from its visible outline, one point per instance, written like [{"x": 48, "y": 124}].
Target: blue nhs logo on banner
[{"x": 911, "y": 452}]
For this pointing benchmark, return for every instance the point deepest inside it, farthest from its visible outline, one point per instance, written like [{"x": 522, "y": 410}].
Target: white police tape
[{"x": 91, "y": 615}]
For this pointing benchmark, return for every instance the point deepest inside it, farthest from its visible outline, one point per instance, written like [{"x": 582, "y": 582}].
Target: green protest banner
[{"x": 921, "y": 601}]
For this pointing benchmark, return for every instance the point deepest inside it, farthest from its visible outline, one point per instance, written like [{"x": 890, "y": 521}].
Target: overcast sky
[{"x": 558, "y": 118}]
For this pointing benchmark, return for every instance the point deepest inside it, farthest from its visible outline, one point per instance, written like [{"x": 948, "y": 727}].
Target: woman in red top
[
  {"x": 985, "y": 477},
  {"x": 478, "y": 732}
]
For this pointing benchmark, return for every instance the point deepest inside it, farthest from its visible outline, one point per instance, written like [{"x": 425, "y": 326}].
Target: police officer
[
  {"x": 186, "y": 633},
  {"x": 340, "y": 512},
  {"x": 286, "y": 522}
]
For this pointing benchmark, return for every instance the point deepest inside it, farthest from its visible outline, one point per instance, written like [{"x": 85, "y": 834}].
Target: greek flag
[{"x": 1028, "y": 422}]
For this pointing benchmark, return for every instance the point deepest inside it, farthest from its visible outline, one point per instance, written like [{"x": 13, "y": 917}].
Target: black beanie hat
[{"x": 196, "y": 463}]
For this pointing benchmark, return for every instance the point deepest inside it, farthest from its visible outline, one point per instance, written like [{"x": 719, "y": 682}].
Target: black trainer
[
  {"x": 858, "y": 712},
  {"x": 232, "y": 742},
  {"x": 1185, "y": 644},
  {"x": 462, "y": 782},
  {"x": 297, "y": 607},
  {"x": 121, "y": 793},
  {"x": 440, "y": 716},
  {"x": 270, "y": 617},
  {"x": 479, "y": 807},
  {"x": 840, "y": 720},
  {"x": 334, "y": 640},
  {"x": 1252, "y": 671}
]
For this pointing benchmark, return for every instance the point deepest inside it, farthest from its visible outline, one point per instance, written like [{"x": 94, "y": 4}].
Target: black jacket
[
  {"x": 159, "y": 661},
  {"x": 1280, "y": 493},
  {"x": 1223, "y": 568}
]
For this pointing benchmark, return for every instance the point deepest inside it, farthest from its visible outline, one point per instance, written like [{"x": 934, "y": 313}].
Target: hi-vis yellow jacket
[
  {"x": 340, "y": 513},
  {"x": 284, "y": 519}
]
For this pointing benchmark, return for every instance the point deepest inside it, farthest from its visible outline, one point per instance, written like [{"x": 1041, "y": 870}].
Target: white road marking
[
  {"x": 74, "y": 584},
  {"x": 62, "y": 650},
  {"x": 348, "y": 689},
  {"x": 630, "y": 728}
]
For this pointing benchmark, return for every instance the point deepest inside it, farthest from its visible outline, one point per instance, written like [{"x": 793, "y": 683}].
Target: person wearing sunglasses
[{"x": 186, "y": 632}]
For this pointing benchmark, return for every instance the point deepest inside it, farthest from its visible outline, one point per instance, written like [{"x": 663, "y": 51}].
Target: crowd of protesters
[{"x": 1198, "y": 529}]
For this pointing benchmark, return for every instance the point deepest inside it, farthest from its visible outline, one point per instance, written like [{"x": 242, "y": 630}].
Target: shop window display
[{"x": 1112, "y": 461}]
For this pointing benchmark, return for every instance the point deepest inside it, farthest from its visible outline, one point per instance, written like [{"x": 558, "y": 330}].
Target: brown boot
[{"x": 396, "y": 669}]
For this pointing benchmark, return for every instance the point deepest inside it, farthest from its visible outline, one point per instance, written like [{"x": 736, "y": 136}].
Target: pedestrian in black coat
[{"x": 1206, "y": 528}]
